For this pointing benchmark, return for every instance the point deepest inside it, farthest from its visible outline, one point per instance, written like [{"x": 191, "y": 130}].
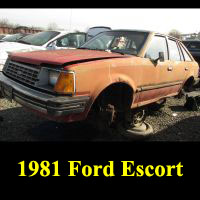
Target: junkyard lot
[{"x": 171, "y": 123}]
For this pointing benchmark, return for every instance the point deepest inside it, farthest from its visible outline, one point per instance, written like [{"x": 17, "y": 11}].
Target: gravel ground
[{"x": 172, "y": 123}]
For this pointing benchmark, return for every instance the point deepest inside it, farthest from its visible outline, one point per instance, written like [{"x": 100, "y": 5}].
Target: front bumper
[{"x": 55, "y": 106}]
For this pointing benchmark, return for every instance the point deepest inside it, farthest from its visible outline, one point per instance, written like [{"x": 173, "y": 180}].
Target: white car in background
[
  {"x": 48, "y": 40},
  {"x": 38, "y": 41}
]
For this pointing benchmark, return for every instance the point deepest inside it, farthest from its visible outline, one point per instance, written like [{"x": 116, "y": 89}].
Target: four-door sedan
[{"x": 109, "y": 80}]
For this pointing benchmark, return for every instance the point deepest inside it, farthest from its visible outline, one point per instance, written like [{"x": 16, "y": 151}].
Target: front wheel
[{"x": 130, "y": 124}]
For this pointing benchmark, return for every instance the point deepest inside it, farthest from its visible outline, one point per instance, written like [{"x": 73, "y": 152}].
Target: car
[
  {"x": 108, "y": 81},
  {"x": 47, "y": 40},
  {"x": 37, "y": 41}
]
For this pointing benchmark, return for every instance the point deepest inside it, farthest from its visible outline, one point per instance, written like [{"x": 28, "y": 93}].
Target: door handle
[
  {"x": 186, "y": 68},
  {"x": 170, "y": 68}
]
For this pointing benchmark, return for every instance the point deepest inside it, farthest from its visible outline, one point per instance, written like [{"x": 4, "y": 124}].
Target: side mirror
[
  {"x": 160, "y": 57},
  {"x": 52, "y": 45}
]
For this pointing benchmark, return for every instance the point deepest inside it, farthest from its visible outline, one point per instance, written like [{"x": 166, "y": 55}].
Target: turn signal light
[{"x": 65, "y": 83}]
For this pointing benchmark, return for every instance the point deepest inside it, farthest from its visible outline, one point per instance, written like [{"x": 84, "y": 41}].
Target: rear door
[{"x": 175, "y": 72}]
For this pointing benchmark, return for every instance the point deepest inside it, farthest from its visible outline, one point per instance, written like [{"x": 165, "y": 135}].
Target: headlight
[{"x": 53, "y": 76}]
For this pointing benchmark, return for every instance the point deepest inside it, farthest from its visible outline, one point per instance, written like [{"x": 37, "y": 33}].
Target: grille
[{"x": 21, "y": 72}]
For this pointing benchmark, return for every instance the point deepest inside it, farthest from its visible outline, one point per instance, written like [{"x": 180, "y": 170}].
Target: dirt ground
[{"x": 172, "y": 123}]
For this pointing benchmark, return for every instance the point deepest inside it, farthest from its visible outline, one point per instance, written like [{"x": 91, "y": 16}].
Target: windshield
[
  {"x": 39, "y": 39},
  {"x": 124, "y": 42},
  {"x": 2, "y": 36},
  {"x": 13, "y": 38}
]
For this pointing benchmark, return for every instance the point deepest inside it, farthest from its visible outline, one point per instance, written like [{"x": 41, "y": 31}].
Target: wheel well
[
  {"x": 118, "y": 94},
  {"x": 189, "y": 82}
]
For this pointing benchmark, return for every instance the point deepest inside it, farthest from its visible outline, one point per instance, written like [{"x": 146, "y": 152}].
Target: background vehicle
[
  {"x": 38, "y": 41},
  {"x": 193, "y": 47},
  {"x": 108, "y": 81}
]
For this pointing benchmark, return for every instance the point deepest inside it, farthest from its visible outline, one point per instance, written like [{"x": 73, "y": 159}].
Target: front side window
[
  {"x": 173, "y": 51},
  {"x": 158, "y": 44},
  {"x": 71, "y": 40},
  {"x": 124, "y": 42}
]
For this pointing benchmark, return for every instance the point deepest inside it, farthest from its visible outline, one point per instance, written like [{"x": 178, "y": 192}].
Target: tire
[{"x": 157, "y": 105}]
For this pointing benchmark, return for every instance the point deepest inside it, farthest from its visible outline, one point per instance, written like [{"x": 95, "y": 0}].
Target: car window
[
  {"x": 74, "y": 40},
  {"x": 158, "y": 44},
  {"x": 173, "y": 51},
  {"x": 181, "y": 53},
  {"x": 123, "y": 42},
  {"x": 186, "y": 55},
  {"x": 102, "y": 42},
  {"x": 39, "y": 39}
]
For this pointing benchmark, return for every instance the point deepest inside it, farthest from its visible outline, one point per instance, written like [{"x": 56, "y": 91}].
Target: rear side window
[
  {"x": 181, "y": 53},
  {"x": 158, "y": 44},
  {"x": 186, "y": 55},
  {"x": 173, "y": 51}
]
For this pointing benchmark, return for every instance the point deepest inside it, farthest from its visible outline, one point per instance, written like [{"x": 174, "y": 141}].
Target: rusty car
[{"x": 108, "y": 81}]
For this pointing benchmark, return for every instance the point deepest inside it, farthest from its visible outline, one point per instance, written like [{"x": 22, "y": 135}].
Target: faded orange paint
[{"x": 149, "y": 81}]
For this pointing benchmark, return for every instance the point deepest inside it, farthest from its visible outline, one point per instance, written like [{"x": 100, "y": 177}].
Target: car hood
[{"x": 63, "y": 57}]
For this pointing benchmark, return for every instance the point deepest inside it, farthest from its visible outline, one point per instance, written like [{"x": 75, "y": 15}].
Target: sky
[{"x": 159, "y": 20}]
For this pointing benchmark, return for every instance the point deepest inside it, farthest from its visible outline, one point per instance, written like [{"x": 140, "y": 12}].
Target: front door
[{"x": 154, "y": 76}]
